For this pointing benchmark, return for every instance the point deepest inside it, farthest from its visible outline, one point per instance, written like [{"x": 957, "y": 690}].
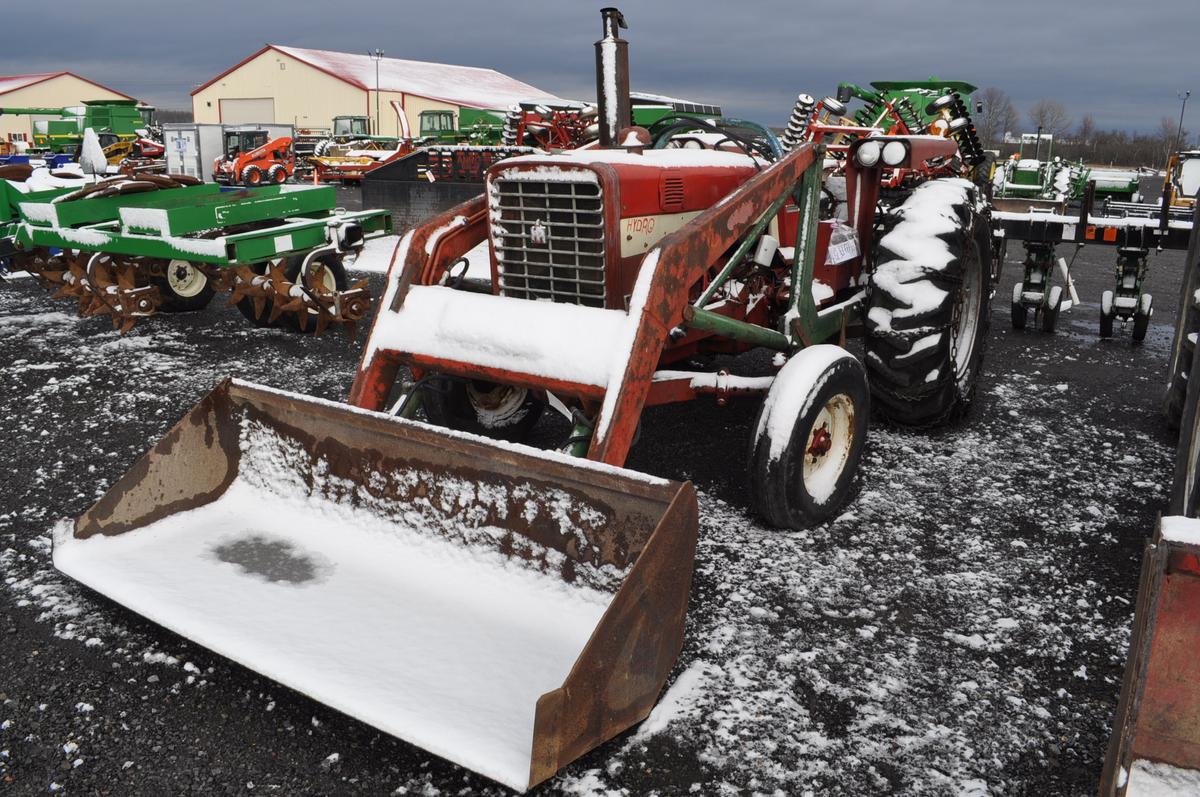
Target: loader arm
[
  {"x": 669, "y": 271},
  {"x": 423, "y": 256}
]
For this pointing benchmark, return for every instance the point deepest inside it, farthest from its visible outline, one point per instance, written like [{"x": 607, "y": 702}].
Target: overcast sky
[{"x": 1123, "y": 61}]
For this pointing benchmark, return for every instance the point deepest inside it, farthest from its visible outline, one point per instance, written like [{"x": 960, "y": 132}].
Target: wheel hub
[
  {"x": 184, "y": 279},
  {"x": 822, "y": 442}
]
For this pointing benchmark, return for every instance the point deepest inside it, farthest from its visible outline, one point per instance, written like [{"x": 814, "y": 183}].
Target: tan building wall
[
  {"x": 59, "y": 92},
  {"x": 307, "y": 97},
  {"x": 304, "y": 96}
]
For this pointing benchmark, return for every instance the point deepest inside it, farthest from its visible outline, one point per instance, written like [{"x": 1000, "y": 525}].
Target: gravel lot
[{"x": 960, "y": 629}]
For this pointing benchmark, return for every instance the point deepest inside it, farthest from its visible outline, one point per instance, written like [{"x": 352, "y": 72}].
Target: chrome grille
[{"x": 549, "y": 237}]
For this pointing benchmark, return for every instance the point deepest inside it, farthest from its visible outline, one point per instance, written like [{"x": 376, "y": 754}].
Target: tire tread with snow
[
  {"x": 456, "y": 404},
  {"x": 928, "y": 308}
]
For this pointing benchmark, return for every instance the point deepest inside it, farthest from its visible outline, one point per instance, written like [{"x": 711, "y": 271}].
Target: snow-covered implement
[
  {"x": 131, "y": 247},
  {"x": 503, "y": 608},
  {"x": 1042, "y": 182},
  {"x": 1135, "y": 232}
]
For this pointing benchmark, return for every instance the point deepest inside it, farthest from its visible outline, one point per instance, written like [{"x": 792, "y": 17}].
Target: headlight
[
  {"x": 894, "y": 153},
  {"x": 867, "y": 154}
]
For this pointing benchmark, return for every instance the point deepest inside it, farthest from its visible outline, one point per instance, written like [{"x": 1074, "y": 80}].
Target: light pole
[
  {"x": 1179, "y": 131},
  {"x": 377, "y": 55}
]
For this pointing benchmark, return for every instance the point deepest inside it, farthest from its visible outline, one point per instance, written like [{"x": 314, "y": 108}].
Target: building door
[{"x": 259, "y": 110}]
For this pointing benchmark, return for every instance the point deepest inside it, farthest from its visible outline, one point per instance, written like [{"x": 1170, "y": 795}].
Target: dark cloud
[{"x": 1123, "y": 62}]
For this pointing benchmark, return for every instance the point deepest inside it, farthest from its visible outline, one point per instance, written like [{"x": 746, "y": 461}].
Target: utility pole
[
  {"x": 1179, "y": 131},
  {"x": 377, "y": 55}
]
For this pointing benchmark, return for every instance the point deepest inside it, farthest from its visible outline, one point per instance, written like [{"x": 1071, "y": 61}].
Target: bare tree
[
  {"x": 1051, "y": 116},
  {"x": 1166, "y": 136},
  {"x": 1085, "y": 133},
  {"x": 997, "y": 117}
]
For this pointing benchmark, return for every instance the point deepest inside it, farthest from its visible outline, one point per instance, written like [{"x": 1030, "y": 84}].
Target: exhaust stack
[{"x": 612, "y": 78}]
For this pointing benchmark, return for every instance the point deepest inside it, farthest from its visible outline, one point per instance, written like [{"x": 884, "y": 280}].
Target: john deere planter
[{"x": 131, "y": 247}]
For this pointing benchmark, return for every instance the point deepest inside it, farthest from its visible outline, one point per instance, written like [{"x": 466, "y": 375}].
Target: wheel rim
[
  {"x": 966, "y": 319},
  {"x": 184, "y": 279},
  {"x": 496, "y": 405},
  {"x": 827, "y": 450},
  {"x": 319, "y": 279}
]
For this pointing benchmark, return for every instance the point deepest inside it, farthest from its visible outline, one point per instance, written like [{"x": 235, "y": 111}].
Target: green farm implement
[
  {"x": 128, "y": 248},
  {"x": 125, "y": 119},
  {"x": 479, "y": 127},
  {"x": 935, "y": 106},
  {"x": 1038, "y": 179}
]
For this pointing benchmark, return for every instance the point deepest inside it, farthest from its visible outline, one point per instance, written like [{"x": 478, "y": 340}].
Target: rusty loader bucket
[
  {"x": 1155, "y": 746},
  {"x": 501, "y": 607}
]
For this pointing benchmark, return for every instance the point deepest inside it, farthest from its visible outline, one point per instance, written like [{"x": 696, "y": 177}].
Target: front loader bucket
[
  {"x": 1155, "y": 746},
  {"x": 504, "y": 608}
]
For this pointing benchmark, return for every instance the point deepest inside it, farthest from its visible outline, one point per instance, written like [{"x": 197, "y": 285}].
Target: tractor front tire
[
  {"x": 184, "y": 288},
  {"x": 929, "y": 304},
  {"x": 484, "y": 408},
  {"x": 809, "y": 437},
  {"x": 277, "y": 174},
  {"x": 252, "y": 176}
]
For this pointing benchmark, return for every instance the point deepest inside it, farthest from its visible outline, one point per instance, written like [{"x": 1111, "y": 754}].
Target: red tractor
[
  {"x": 251, "y": 158},
  {"x": 614, "y": 270}
]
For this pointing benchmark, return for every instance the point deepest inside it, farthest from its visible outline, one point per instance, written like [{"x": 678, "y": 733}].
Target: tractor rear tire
[
  {"x": 809, "y": 437},
  {"x": 1050, "y": 309},
  {"x": 1106, "y": 314},
  {"x": 1141, "y": 319},
  {"x": 183, "y": 287},
  {"x": 333, "y": 278},
  {"x": 252, "y": 176},
  {"x": 483, "y": 408},
  {"x": 277, "y": 174},
  {"x": 929, "y": 304}
]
